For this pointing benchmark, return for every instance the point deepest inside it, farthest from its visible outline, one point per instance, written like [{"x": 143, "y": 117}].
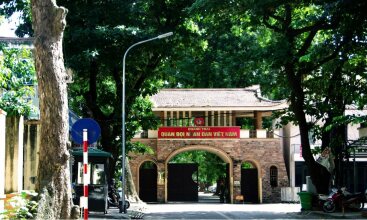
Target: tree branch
[
  {"x": 91, "y": 95},
  {"x": 326, "y": 59}
]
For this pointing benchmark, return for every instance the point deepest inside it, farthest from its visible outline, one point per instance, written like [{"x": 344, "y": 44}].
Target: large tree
[
  {"x": 95, "y": 43},
  {"x": 318, "y": 43},
  {"x": 310, "y": 52},
  {"x": 53, "y": 180},
  {"x": 313, "y": 55}
]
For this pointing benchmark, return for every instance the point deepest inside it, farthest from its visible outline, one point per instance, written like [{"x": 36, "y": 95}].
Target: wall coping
[
  {"x": 32, "y": 122},
  {"x": 2, "y": 112}
]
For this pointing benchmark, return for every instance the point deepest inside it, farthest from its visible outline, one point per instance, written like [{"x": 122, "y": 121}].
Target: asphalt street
[{"x": 209, "y": 207}]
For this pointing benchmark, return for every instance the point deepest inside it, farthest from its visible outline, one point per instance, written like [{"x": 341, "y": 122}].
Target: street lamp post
[{"x": 122, "y": 199}]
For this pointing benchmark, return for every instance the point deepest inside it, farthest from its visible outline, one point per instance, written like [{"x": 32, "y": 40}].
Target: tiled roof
[{"x": 196, "y": 98}]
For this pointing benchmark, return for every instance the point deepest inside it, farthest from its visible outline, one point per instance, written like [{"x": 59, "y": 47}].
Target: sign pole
[
  {"x": 79, "y": 134},
  {"x": 85, "y": 172}
]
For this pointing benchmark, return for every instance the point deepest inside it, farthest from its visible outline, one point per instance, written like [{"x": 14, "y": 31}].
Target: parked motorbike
[
  {"x": 341, "y": 198},
  {"x": 329, "y": 205},
  {"x": 321, "y": 199},
  {"x": 114, "y": 198}
]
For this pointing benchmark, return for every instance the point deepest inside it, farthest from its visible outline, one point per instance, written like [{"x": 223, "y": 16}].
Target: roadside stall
[{"x": 98, "y": 164}]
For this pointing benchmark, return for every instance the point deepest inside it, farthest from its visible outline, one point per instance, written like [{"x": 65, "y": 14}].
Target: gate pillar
[
  {"x": 236, "y": 179},
  {"x": 161, "y": 182}
]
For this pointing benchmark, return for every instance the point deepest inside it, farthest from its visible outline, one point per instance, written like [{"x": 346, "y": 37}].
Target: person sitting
[{"x": 112, "y": 193}]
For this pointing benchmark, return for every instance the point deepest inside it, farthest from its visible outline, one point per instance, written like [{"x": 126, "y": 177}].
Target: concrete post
[
  {"x": 14, "y": 154},
  {"x": 32, "y": 137}
]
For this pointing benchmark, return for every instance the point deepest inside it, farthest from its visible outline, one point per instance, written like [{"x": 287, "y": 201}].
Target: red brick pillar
[
  {"x": 161, "y": 181},
  {"x": 236, "y": 180}
]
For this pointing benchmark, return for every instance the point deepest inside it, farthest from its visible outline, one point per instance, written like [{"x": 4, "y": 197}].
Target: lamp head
[{"x": 165, "y": 35}]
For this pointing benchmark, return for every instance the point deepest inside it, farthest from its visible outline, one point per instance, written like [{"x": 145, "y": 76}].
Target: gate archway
[
  {"x": 220, "y": 153},
  {"x": 148, "y": 181},
  {"x": 250, "y": 182}
]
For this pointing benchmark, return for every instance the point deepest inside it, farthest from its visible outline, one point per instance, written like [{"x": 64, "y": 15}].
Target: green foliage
[
  {"x": 141, "y": 116},
  {"x": 311, "y": 53},
  {"x": 9, "y": 7},
  {"x": 245, "y": 123},
  {"x": 247, "y": 165},
  {"x": 316, "y": 150},
  {"x": 17, "y": 77},
  {"x": 148, "y": 165},
  {"x": 23, "y": 206},
  {"x": 139, "y": 147}
]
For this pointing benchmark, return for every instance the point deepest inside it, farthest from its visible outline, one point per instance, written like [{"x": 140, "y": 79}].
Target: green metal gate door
[
  {"x": 182, "y": 182},
  {"x": 249, "y": 185}
]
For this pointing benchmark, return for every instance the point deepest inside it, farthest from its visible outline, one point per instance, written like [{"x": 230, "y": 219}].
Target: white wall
[
  {"x": 31, "y": 148},
  {"x": 2, "y": 158},
  {"x": 14, "y": 154}
]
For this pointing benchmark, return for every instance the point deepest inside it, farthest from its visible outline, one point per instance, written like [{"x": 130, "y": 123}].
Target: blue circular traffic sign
[{"x": 92, "y": 127}]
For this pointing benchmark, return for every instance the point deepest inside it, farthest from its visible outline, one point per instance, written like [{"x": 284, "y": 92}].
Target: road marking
[{"x": 223, "y": 215}]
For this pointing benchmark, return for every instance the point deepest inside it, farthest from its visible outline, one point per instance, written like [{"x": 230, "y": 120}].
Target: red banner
[{"x": 198, "y": 132}]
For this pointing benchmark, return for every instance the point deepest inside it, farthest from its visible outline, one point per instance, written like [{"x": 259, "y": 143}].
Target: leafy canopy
[{"x": 17, "y": 77}]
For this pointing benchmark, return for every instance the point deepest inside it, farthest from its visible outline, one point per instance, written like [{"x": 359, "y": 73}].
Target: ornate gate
[{"x": 182, "y": 182}]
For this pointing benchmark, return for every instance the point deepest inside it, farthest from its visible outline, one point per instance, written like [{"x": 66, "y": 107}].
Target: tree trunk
[
  {"x": 130, "y": 186},
  {"x": 53, "y": 182}
]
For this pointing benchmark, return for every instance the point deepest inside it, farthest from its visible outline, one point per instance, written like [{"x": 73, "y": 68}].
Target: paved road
[
  {"x": 219, "y": 211},
  {"x": 209, "y": 207},
  {"x": 222, "y": 211}
]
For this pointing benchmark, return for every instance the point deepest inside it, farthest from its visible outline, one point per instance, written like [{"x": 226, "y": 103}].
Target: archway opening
[
  {"x": 249, "y": 182},
  {"x": 198, "y": 176},
  {"x": 148, "y": 181}
]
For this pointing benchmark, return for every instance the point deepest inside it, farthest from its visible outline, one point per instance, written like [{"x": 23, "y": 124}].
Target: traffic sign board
[{"x": 91, "y": 125}]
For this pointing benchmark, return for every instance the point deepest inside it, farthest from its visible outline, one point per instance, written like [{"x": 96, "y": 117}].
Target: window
[
  {"x": 273, "y": 176},
  {"x": 96, "y": 172}
]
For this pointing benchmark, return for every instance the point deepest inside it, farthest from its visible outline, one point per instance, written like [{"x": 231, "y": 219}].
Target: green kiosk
[{"x": 98, "y": 163}]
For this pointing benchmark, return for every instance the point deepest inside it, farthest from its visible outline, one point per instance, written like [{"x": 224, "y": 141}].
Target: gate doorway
[
  {"x": 148, "y": 182},
  {"x": 213, "y": 165},
  {"x": 183, "y": 182},
  {"x": 249, "y": 182}
]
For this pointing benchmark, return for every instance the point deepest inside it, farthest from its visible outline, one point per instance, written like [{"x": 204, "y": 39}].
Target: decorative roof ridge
[
  {"x": 258, "y": 95},
  {"x": 354, "y": 107},
  {"x": 224, "y": 97},
  {"x": 253, "y": 88}
]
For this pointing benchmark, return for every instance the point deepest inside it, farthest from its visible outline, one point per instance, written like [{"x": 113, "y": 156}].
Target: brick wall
[{"x": 263, "y": 153}]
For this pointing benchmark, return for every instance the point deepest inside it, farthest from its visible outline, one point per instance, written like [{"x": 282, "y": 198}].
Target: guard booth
[{"x": 98, "y": 166}]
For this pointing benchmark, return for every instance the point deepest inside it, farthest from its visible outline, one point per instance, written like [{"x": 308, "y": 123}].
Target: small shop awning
[
  {"x": 92, "y": 152},
  {"x": 357, "y": 148}
]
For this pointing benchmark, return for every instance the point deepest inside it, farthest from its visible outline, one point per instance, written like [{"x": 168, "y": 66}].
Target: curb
[
  {"x": 136, "y": 210},
  {"x": 339, "y": 215}
]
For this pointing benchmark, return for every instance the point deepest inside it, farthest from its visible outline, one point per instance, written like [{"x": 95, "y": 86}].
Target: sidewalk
[
  {"x": 334, "y": 215},
  {"x": 136, "y": 211}
]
